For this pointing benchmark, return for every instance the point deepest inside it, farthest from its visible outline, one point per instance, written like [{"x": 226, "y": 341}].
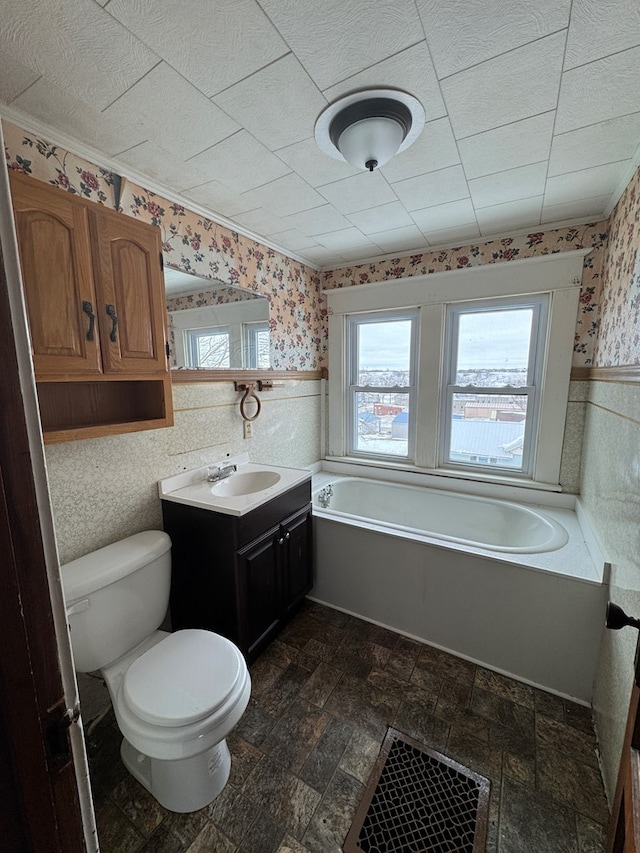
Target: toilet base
[{"x": 184, "y": 784}]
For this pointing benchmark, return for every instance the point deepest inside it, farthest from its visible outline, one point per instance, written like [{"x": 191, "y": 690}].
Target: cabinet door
[
  {"x": 127, "y": 263},
  {"x": 298, "y": 571},
  {"x": 259, "y": 590},
  {"x": 55, "y": 253}
]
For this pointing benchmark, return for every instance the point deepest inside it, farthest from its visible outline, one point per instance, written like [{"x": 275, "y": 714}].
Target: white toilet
[{"x": 176, "y": 696}]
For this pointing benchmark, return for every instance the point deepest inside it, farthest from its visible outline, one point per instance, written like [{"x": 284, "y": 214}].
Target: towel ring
[{"x": 248, "y": 394}]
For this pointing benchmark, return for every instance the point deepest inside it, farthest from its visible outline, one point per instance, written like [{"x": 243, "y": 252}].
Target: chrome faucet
[
  {"x": 220, "y": 472},
  {"x": 324, "y": 496}
]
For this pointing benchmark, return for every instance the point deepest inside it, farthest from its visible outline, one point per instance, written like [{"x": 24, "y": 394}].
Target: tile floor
[{"x": 323, "y": 696}]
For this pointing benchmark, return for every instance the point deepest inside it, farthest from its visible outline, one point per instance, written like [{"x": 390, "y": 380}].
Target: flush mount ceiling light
[{"x": 367, "y": 128}]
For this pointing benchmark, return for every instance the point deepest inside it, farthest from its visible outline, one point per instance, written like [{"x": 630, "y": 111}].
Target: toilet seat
[{"x": 186, "y": 677}]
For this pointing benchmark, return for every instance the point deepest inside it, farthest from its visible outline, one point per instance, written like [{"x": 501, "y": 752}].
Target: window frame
[
  {"x": 532, "y": 390},
  {"x": 558, "y": 275},
  {"x": 354, "y": 322},
  {"x": 193, "y": 336}
]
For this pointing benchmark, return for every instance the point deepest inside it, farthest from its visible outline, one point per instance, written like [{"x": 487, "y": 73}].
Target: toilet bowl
[{"x": 175, "y": 696}]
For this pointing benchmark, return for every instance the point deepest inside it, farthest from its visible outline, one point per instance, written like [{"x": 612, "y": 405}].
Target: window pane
[
  {"x": 488, "y": 429},
  {"x": 209, "y": 349},
  {"x": 493, "y": 347},
  {"x": 384, "y": 353},
  {"x": 382, "y": 423}
]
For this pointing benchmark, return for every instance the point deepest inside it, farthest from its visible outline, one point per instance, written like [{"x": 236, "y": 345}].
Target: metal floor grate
[{"x": 419, "y": 800}]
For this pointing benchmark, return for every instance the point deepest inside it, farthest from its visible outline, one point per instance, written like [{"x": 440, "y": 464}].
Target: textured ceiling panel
[
  {"x": 334, "y": 39},
  {"x": 462, "y": 34},
  {"x": 213, "y": 45}
]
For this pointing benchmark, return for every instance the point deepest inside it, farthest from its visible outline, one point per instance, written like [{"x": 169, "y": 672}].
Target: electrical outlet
[{"x": 247, "y": 429}]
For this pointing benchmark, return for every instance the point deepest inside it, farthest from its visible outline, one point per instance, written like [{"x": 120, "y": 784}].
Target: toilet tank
[{"x": 116, "y": 597}]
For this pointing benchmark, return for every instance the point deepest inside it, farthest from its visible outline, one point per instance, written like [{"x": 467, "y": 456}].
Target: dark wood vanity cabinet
[{"x": 241, "y": 576}]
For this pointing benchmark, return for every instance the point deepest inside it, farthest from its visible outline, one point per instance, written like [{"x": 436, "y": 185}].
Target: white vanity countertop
[{"x": 193, "y": 489}]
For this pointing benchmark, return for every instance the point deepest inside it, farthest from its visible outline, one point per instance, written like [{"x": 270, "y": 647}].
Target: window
[
  {"x": 209, "y": 348},
  {"x": 381, "y": 384},
  {"x": 425, "y": 379},
  {"x": 493, "y": 363},
  {"x": 256, "y": 344}
]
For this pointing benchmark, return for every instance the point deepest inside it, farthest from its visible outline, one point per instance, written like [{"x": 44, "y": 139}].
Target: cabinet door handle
[
  {"x": 287, "y": 536},
  {"x": 111, "y": 311},
  {"x": 281, "y": 541},
  {"x": 87, "y": 308}
]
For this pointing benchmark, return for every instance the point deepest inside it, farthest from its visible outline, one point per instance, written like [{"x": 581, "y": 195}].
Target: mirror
[{"x": 215, "y": 326}]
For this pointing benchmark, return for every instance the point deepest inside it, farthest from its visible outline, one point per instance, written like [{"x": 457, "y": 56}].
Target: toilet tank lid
[{"x": 100, "y": 568}]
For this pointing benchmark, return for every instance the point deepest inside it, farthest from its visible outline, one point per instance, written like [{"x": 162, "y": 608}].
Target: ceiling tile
[
  {"x": 294, "y": 240},
  {"x": 213, "y": 45},
  {"x": 318, "y": 220},
  {"x": 314, "y": 165},
  {"x": 604, "y": 89},
  {"x": 405, "y": 239},
  {"x": 605, "y": 142},
  {"x": 410, "y": 70},
  {"x": 599, "y": 28},
  {"x": 586, "y": 183},
  {"x": 324, "y": 257},
  {"x": 595, "y": 206},
  {"x": 59, "y": 43},
  {"x": 448, "y": 215},
  {"x": 347, "y": 238},
  {"x": 334, "y": 39},
  {"x": 15, "y": 77},
  {"x": 435, "y": 148},
  {"x": 286, "y": 195},
  {"x": 190, "y": 126},
  {"x": 458, "y": 235},
  {"x": 462, "y": 34},
  {"x": 435, "y": 188},
  {"x": 523, "y": 182},
  {"x": 516, "y": 144},
  {"x": 51, "y": 104},
  {"x": 514, "y": 214},
  {"x": 386, "y": 216},
  {"x": 260, "y": 221},
  {"x": 517, "y": 85},
  {"x": 366, "y": 189},
  {"x": 160, "y": 165},
  {"x": 218, "y": 198},
  {"x": 241, "y": 162},
  {"x": 279, "y": 104}
]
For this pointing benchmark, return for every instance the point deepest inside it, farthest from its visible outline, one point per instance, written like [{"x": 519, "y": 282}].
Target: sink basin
[{"x": 245, "y": 484}]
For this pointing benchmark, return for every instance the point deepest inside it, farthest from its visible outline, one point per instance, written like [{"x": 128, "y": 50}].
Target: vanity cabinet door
[
  {"x": 260, "y": 591},
  {"x": 298, "y": 568},
  {"x": 55, "y": 254}
]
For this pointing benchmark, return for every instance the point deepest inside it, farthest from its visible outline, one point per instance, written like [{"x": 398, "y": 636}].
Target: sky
[{"x": 489, "y": 340}]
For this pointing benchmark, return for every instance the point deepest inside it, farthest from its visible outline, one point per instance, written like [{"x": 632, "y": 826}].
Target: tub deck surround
[
  {"x": 193, "y": 489},
  {"x": 537, "y": 617},
  {"x": 577, "y": 557}
]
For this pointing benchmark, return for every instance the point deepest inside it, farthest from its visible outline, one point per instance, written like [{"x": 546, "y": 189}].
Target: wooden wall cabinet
[
  {"x": 241, "y": 576},
  {"x": 94, "y": 292}
]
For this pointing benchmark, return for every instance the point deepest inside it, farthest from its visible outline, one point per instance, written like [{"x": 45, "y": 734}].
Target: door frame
[{"x": 43, "y": 764}]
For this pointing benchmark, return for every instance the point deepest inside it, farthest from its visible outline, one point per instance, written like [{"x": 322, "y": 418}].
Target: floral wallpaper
[
  {"x": 196, "y": 244},
  {"x": 618, "y": 341},
  {"x": 498, "y": 251}
]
